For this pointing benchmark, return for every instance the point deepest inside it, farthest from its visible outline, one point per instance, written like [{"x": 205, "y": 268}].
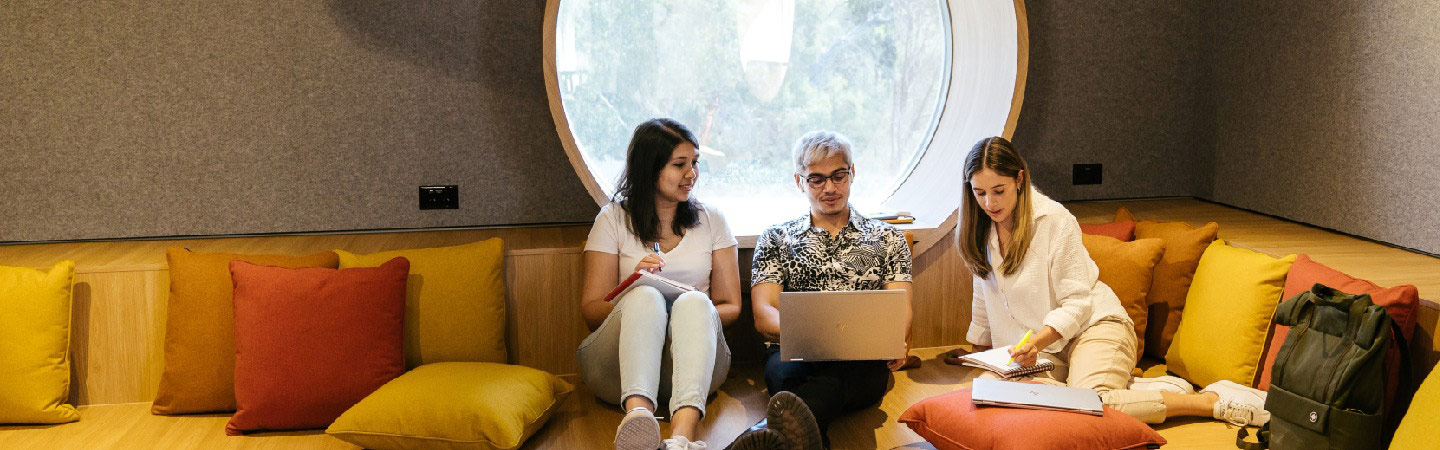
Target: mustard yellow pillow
[
  {"x": 454, "y": 405},
  {"x": 454, "y": 301},
  {"x": 1419, "y": 427},
  {"x": 35, "y": 344},
  {"x": 1227, "y": 313}
]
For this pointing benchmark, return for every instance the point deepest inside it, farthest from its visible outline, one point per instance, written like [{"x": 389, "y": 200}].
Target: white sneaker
[
  {"x": 681, "y": 443},
  {"x": 638, "y": 431},
  {"x": 1167, "y": 383},
  {"x": 1239, "y": 405}
]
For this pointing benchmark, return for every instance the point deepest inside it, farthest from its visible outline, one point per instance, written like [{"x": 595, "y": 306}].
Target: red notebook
[{"x": 667, "y": 287}]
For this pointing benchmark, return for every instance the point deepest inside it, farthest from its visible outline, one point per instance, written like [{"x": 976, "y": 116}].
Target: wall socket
[
  {"x": 1086, "y": 174},
  {"x": 440, "y": 197}
]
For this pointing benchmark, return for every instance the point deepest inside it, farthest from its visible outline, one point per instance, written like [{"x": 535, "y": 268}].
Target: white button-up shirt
[{"x": 1056, "y": 285}]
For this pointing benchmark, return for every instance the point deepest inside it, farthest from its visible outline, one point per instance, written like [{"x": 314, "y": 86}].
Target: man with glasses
[{"x": 831, "y": 248}]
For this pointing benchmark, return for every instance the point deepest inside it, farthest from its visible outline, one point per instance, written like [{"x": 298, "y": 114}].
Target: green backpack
[{"x": 1327, "y": 389}]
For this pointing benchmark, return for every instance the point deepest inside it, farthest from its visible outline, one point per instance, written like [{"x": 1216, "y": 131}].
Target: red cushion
[
  {"x": 311, "y": 343},
  {"x": 952, "y": 421},
  {"x": 1123, "y": 230},
  {"x": 1402, "y": 302}
]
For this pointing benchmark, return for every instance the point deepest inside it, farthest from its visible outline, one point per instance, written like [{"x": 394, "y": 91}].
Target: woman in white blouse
[
  {"x": 1031, "y": 273},
  {"x": 644, "y": 348}
]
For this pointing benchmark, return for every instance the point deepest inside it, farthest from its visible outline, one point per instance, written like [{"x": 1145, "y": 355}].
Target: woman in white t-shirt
[{"x": 643, "y": 347}]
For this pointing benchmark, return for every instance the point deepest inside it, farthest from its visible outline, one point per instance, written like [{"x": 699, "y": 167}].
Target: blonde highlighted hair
[
  {"x": 973, "y": 234},
  {"x": 817, "y": 145}
]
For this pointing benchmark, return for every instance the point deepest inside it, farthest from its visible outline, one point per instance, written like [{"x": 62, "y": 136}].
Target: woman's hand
[
  {"x": 650, "y": 263},
  {"x": 1025, "y": 355}
]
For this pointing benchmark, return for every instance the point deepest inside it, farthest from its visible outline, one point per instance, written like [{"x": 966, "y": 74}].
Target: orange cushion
[
  {"x": 1171, "y": 282},
  {"x": 1401, "y": 302},
  {"x": 1124, "y": 215},
  {"x": 1122, "y": 230},
  {"x": 199, "y": 329},
  {"x": 952, "y": 421},
  {"x": 1127, "y": 267},
  {"x": 311, "y": 343}
]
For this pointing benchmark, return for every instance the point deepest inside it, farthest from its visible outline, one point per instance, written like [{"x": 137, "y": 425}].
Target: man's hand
[
  {"x": 952, "y": 357},
  {"x": 903, "y": 363}
]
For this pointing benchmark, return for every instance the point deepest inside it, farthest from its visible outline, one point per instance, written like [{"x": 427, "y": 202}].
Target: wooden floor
[
  {"x": 585, "y": 423},
  {"x": 582, "y": 423}
]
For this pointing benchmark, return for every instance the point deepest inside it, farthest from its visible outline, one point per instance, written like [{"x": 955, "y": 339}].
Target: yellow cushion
[
  {"x": 35, "y": 344},
  {"x": 1227, "y": 313},
  {"x": 454, "y": 301},
  {"x": 1419, "y": 427},
  {"x": 454, "y": 406}
]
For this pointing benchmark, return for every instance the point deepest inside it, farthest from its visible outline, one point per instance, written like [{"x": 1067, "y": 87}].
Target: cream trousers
[{"x": 1101, "y": 358}]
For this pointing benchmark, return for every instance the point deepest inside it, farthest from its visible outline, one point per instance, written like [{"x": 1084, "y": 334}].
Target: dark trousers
[{"x": 830, "y": 388}]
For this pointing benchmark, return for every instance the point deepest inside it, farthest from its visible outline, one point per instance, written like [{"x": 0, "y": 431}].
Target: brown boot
[
  {"x": 788, "y": 415},
  {"x": 760, "y": 439}
]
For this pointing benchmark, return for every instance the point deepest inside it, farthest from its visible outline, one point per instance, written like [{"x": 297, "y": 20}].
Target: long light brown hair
[{"x": 973, "y": 234}]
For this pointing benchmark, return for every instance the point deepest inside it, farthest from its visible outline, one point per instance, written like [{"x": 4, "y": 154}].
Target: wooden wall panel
[
  {"x": 117, "y": 255},
  {"x": 117, "y": 337},
  {"x": 543, "y": 308},
  {"x": 941, "y": 302}
]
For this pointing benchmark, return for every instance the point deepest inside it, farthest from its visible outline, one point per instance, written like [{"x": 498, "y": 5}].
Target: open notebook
[
  {"x": 998, "y": 360},
  {"x": 667, "y": 287}
]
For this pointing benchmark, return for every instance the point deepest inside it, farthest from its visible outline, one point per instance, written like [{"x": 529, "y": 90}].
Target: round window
[{"x": 749, "y": 77}]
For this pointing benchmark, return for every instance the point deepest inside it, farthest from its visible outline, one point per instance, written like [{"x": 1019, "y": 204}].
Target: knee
[
  {"x": 693, "y": 304},
  {"x": 642, "y": 298}
]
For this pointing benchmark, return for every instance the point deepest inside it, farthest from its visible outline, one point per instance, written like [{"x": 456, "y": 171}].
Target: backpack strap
[
  {"x": 1262, "y": 435},
  {"x": 1404, "y": 392}
]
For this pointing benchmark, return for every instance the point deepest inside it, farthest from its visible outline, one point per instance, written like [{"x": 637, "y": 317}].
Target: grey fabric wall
[
  {"x": 154, "y": 118},
  {"x": 1328, "y": 112},
  {"x": 1121, "y": 84},
  {"x": 157, "y": 118},
  {"x": 1324, "y": 112}
]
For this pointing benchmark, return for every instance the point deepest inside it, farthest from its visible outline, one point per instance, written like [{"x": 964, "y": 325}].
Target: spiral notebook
[
  {"x": 998, "y": 360},
  {"x": 667, "y": 287}
]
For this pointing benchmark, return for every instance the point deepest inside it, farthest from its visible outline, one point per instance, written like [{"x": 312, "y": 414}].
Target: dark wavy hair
[{"x": 649, "y": 151}]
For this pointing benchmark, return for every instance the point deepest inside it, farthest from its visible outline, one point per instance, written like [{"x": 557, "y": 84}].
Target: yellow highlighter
[{"x": 1023, "y": 341}]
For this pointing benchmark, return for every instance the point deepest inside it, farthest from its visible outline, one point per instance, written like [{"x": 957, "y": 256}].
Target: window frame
[{"x": 921, "y": 187}]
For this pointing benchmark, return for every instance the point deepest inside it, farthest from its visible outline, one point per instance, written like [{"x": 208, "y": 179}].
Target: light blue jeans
[{"x": 645, "y": 347}]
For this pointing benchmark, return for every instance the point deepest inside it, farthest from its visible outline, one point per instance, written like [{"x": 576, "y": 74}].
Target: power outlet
[
  {"x": 440, "y": 197},
  {"x": 1086, "y": 174}
]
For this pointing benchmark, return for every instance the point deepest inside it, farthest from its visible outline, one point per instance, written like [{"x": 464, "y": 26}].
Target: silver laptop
[
  {"x": 1035, "y": 396},
  {"x": 842, "y": 325}
]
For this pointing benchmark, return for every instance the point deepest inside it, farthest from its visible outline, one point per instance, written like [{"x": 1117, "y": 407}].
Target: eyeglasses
[{"x": 817, "y": 181}]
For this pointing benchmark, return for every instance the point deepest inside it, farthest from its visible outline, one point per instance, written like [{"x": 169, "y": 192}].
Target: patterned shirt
[{"x": 865, "y": 255}]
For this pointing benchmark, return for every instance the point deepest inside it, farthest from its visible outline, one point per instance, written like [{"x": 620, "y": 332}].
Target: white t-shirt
[{"x": 688, "y": 262}]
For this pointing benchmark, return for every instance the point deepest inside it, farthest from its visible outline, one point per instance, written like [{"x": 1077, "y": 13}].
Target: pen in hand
[
  {"x": 656, "y": 247},
  {"x": 1023, "y": 341}
]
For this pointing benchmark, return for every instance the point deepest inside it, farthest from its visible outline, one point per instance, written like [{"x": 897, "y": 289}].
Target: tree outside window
[{"x": 749, "y": 77}]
